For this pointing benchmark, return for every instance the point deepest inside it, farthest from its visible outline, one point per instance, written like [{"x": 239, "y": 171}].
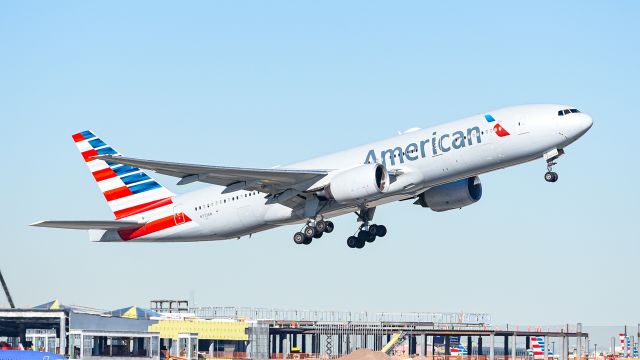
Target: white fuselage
[{"x": 420, "y": 159}]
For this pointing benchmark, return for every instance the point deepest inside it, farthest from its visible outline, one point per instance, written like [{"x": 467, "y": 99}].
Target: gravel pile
[{"x": 366, "y": 354}]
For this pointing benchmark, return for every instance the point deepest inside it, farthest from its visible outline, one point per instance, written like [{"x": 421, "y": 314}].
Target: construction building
[{"x": 172, "y": 328}]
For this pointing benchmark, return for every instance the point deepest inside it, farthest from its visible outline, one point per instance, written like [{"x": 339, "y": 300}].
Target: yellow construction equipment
[{"x": 395, "y": 340}]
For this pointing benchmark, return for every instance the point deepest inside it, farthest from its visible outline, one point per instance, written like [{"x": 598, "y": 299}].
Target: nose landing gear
[{"x": 550, "y": 157}]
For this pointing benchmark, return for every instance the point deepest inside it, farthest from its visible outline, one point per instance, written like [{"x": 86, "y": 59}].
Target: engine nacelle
[
  {"x": 357, "y": 183},
  {"x": 453, "y": 195}
]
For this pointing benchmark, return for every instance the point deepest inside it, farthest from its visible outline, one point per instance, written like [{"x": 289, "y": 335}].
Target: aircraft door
[
  {"x": 178, "y": 215},
  {"x": 522, "y": 125}
]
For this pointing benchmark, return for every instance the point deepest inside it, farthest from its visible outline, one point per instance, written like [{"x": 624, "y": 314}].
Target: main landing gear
[
  {"x": 367, "y": 233},
  {"x": 313, "y": 230}
]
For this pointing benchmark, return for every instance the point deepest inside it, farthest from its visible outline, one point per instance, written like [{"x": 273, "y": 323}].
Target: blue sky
[{"x": 267, "y": 83}]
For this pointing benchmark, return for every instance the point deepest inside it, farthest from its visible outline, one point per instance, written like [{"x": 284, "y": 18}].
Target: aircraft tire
[
  {"x": 321, "y": 226},
  {"x": 381, "y": 231},
  {"x": 309, "y": 231},
  {"x": 329, "y": 228},
  {"x": 351, "y": 241},
  {"x": 364, "y": 235},
  {"x": 298, "y": 238}
]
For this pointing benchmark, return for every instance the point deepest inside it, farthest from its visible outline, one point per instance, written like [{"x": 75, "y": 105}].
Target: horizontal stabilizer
[{"x": 88, "y": 224}]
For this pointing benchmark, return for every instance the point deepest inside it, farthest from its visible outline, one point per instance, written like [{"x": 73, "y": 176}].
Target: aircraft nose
[
  {"x": 587, "y": 122},
  {"x": 575, "y": 125},
  {"x": 583, "y": 123}
]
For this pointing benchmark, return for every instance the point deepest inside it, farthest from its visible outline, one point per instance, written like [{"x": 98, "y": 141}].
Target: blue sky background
[{"x": 267, "y": 83}]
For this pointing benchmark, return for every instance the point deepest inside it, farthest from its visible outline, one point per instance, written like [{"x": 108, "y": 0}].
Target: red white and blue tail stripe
[
  {"x": 129, "y": 192},
  {"x": 538, "y": 347}
]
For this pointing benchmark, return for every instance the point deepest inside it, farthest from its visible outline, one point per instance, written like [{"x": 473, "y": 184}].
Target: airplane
[{"x": 438, "y": 167}]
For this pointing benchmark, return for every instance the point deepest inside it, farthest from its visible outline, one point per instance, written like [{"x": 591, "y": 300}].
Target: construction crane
[{"x": 6, "y": 291}]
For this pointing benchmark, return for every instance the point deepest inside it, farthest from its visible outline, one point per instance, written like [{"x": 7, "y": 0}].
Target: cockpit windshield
[{"x": 567, "y": 111}]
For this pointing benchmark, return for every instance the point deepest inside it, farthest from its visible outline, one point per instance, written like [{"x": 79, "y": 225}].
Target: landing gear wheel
[
  {"x": 329, "y": 228},
  {"x": 373, "y": 229},
  {"x": 360, "y": 243},
  {"x": 298, "y": 238},
  {"x": 309, "y": 231},
  {"x": 317, "y": 235},
  {"x": 381, "y": 230},
  {"x": 352, "y": 241},
  {"x": 365, "y": 236},
  {"x": 321, "y": 226},
  {"x": 307, "y": 240},
  {"x": 551, "y": 176}
]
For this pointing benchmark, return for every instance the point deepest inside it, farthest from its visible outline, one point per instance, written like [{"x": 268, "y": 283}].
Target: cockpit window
[{"x": 567, "y": 111}]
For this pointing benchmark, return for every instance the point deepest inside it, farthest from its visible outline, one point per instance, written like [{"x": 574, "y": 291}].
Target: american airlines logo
[
  {"x": 497, "y": 128},
  {"x": 436, "y": 145}
]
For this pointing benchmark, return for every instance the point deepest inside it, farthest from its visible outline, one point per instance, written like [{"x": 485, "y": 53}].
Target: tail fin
[{"x": 127, "y": 189}]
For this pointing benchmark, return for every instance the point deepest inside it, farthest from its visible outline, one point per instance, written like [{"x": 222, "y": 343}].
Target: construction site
[
  {"x": 171, "y": 328},
  {"x": 174, "y": 329}
]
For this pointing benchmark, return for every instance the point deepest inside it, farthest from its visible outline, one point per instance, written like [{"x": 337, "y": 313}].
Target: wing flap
[{"x": 87, "y": 224}]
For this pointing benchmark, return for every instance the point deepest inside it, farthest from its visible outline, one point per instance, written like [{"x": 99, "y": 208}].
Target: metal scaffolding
[{"x": 339, "y": 316}]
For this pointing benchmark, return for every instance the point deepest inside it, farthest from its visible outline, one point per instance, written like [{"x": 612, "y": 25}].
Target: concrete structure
[
  {"x": 335, "y": 333},
  {"x": 256, "y": 333}
]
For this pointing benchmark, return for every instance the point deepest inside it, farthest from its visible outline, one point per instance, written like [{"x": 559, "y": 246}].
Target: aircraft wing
[
  {"x": 88, "y": 224},
  {"x": 266, "y": 180}
]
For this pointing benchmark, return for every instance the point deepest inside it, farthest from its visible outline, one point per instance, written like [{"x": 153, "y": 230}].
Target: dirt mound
[{"x": 366, "y": 354}]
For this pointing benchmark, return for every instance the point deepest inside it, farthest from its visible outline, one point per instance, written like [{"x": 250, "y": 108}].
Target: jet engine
[
  {"x": 453, "y": 195},
  {"x": 357, "y": 183}
]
